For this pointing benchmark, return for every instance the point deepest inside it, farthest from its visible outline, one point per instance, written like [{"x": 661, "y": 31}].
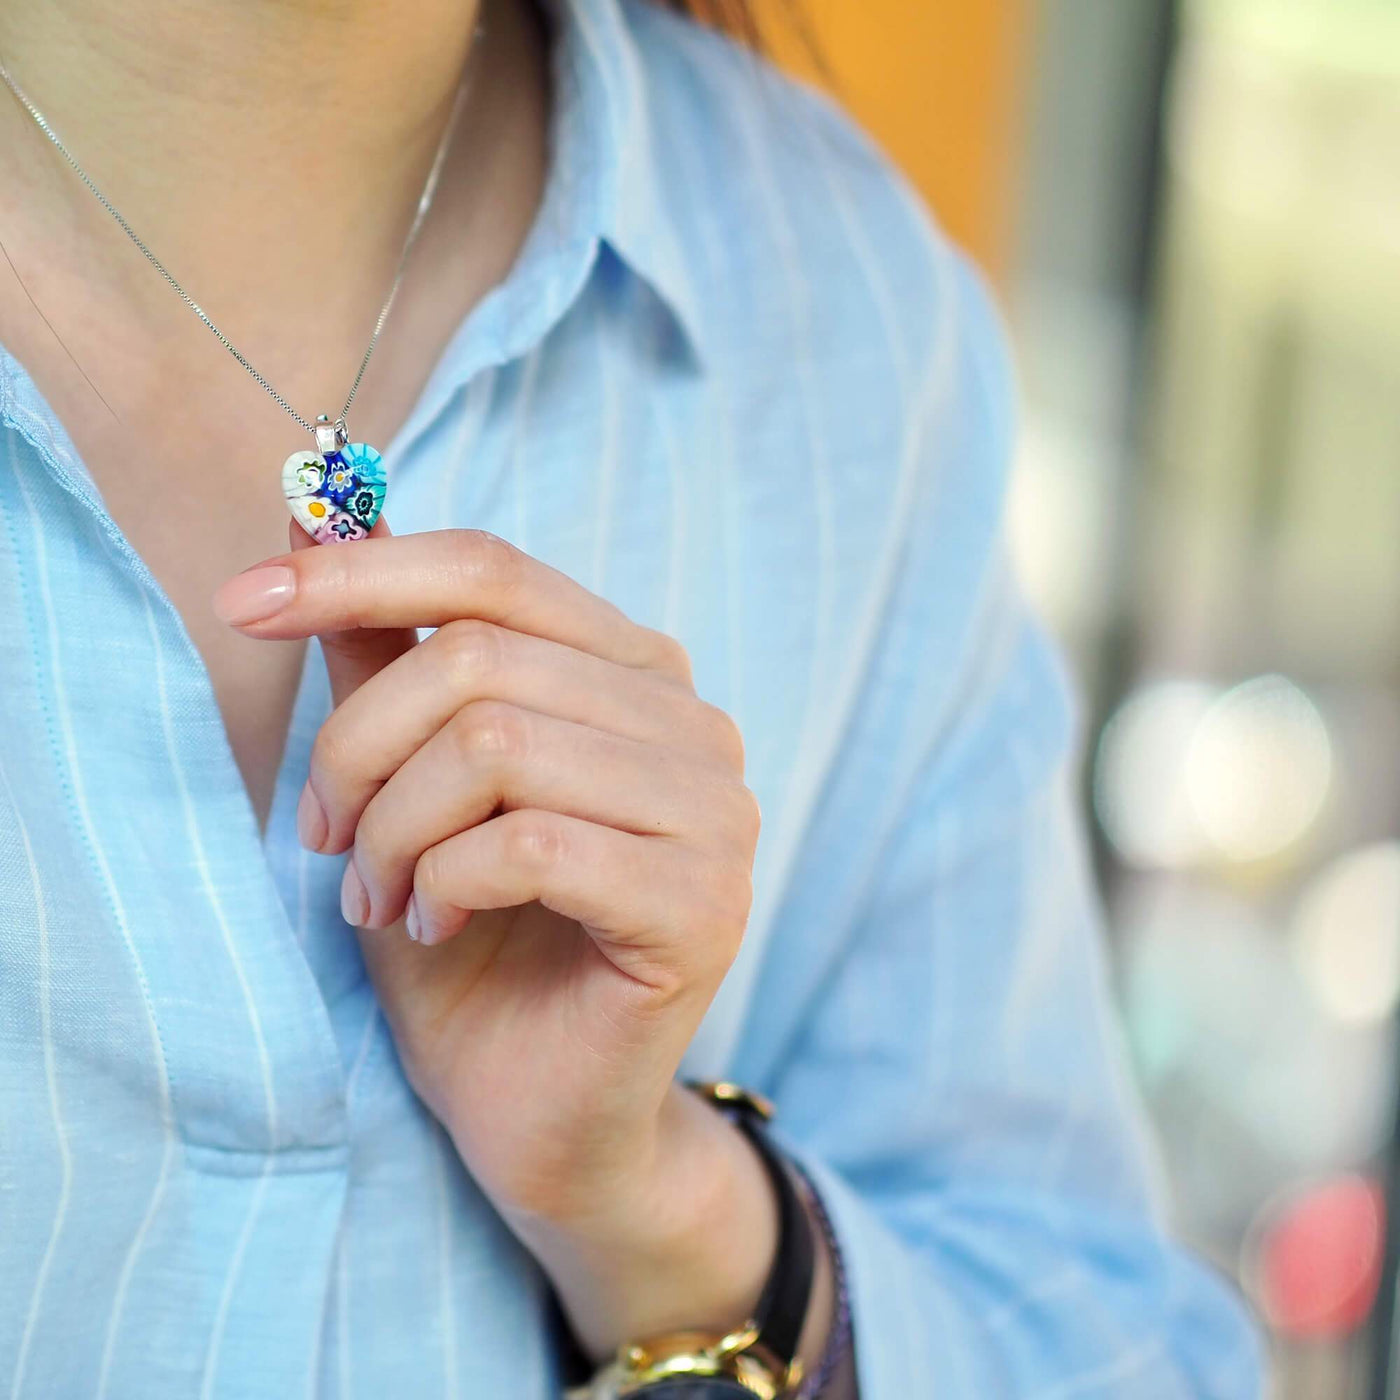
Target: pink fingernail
[
  {"x": 410, "y": 919},
  {"x": 432, "y": 934},
  {"x": 354, "y": 901},
  {"x": 312, "y": 825},
  {"x": 255, "y": 595}
]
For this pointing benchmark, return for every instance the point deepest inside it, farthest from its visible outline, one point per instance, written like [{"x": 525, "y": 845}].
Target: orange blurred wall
[{"x": 936, "y": 82}]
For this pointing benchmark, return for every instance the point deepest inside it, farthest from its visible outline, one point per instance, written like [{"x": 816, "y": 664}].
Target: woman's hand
[{"x": 551, "y": 848}]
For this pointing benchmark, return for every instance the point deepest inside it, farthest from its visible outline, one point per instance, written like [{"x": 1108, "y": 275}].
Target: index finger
[{"x": 427, "y": 579}]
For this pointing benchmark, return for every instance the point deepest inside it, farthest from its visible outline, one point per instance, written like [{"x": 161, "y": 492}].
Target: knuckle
[
  {"x": 749, "y": 815},
  {"x": 721, "y": 924},
  {"x": 722, "y": 733},
  {"x": 430, "y": 872},
  {"x": 533, "y": 840},
  {"x": 488, "y": 730},
  {"x": 735, "y": 899},
  {"x": 472, "y": 647},
  {"x": 374, "y": 837},
  {"x": 666, "y": 654},
  {"x": 331, "y": 750},
  {"x": 486, "y": 556},
  {"x": 718, "y": 916},
  {"x": 737, "y": 816}
]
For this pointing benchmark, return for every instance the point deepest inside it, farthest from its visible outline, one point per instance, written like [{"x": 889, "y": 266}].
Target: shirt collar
[{"x": 602, "y": 146}]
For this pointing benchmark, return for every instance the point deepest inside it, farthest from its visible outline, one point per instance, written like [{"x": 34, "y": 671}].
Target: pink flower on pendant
[{"x": 339, "y": 526}]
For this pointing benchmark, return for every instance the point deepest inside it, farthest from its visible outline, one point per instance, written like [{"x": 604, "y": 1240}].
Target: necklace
[{"x": 336, "y": 492}]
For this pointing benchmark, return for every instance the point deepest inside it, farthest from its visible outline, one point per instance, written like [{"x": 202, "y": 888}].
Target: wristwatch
[{"x": 759, "y": 1359}]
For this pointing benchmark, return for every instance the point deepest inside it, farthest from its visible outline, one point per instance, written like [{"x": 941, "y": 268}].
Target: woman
[{"x": 673, "y": 330}]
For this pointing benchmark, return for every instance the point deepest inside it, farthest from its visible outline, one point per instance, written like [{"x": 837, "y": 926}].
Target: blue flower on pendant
[{"x": 339, "y": 482}]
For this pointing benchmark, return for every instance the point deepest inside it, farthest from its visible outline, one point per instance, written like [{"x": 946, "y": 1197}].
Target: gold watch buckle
[
  {"x": 733, "y": 1357},
  {"x": 727, "y": 1094}
]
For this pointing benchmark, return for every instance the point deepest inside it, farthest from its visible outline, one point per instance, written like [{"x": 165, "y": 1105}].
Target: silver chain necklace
[{"x": 337, "y": 492}]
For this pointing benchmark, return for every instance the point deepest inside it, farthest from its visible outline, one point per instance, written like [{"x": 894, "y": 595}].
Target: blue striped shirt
[{"x": 737, "y": 383}]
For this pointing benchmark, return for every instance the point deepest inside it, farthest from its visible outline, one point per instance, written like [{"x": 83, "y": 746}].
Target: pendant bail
[{"x": 330, "y": 436}]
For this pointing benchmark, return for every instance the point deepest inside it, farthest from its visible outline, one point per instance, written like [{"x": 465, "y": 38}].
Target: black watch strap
[{"x": 781, "y": 1311}]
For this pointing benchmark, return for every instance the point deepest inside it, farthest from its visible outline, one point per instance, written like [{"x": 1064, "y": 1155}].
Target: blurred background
[{"x": 1191, "y": 212}]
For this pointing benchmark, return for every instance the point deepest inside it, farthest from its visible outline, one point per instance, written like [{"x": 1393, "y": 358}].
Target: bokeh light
[
  {"x": 1313, "y": 1260},
  {"x": 1346, "y": 935},
  {"x": 1140, "y": 791},
  {"x": 1258, "y": 769}
]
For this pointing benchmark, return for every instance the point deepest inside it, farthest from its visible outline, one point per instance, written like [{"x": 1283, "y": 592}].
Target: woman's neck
[
  {"x": 296, "y": 93},
  {"x": 271, "y": 152}
]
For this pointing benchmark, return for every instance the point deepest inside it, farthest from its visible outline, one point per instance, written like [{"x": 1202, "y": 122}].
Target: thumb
[{"x": 353, "y": 656}]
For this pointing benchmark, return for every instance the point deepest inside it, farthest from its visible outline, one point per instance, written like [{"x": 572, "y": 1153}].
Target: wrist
[{"x": 683, "y": 1239}]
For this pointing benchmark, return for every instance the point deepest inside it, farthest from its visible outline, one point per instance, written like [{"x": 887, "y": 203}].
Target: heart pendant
[{"x": 336, "y": 495}]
